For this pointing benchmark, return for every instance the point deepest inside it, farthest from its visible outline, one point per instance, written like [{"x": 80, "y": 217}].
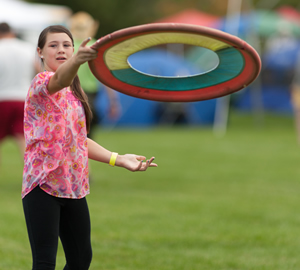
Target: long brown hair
[{"x": 75, "y": 86}]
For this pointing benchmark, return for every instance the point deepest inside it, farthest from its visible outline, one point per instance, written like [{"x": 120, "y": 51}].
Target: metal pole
[
  {"x": 222, "y": 107},
  {"x": 256, "y": 87}
]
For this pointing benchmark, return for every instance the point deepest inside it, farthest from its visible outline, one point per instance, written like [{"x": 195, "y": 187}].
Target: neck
[{"x": 7, "y": 35}]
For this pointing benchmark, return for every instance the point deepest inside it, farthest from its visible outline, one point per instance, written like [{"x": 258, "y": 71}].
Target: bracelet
[{"x": 113, "y": 158}]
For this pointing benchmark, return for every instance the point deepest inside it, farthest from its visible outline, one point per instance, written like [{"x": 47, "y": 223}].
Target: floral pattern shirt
[{"x": 56, "y": 155}]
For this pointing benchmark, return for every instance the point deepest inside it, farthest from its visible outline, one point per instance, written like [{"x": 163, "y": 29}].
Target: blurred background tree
[{"x": 117, "y": 14}]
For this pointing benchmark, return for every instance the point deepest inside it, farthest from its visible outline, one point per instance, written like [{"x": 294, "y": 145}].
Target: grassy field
[{"x": 213, "y": 203}]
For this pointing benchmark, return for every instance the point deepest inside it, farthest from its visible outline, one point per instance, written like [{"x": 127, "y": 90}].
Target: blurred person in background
[
  {"x": 279, "y": 56},
  {"x": 17, "y": 68},
  {"x": 83, "y": 25}
]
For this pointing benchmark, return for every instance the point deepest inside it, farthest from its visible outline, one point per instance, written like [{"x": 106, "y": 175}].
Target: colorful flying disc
[{"x": 239, "y": 64}]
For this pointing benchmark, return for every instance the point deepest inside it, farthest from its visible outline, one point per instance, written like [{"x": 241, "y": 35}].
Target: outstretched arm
[{"x": 128, "y": 161}]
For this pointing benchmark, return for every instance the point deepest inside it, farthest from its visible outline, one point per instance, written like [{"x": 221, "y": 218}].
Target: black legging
[{"x": 47, "y": 218}]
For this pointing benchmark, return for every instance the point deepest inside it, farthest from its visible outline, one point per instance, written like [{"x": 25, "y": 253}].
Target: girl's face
[{"x": 57, "y": 50}]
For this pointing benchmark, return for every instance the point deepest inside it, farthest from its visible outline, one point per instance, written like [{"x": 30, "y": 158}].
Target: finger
[
  {"x": 93, "y": 54},
  {"x": 86, "y": 41},
  {"x": 149, "y": 164},
  {"x": 151, "y": 160},
  {"x": 89, "y": 55},
  {"x": 140, "y": 158},
  {"x": 153, "y": 165},
  {"x": 146, "y": 165},
  {"x": 140, "y": 166}
]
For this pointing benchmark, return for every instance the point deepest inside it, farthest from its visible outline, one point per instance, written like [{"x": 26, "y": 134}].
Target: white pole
[
  {"x": 222, "y": 107},
  {"x": 256, "y": 87}
]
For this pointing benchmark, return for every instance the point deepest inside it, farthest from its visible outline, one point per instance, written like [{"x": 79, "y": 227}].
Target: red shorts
[{"x": 11, "y": 118}]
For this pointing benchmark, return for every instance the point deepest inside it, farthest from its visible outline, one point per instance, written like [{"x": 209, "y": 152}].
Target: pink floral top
[{"x": 56, "y": 155}]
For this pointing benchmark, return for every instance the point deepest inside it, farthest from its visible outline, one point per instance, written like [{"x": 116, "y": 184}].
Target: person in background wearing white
[{"x": 18, "y": 66}]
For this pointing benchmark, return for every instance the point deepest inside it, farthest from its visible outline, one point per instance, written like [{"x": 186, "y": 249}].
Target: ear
[{"x": 39, "y": 51}]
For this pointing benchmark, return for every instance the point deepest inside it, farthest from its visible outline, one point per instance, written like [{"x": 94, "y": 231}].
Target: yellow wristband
[{"x": 113, "y": 158}]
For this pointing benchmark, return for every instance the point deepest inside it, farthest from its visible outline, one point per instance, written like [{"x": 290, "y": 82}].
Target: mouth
[{"x": 61, "y": 58}]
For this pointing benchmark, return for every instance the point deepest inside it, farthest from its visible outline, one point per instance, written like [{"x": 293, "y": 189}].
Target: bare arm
[
  {"x": 66, "y": 73},
  {"x": 128, "y": 161},
  {"x": 97, "y": 152}
]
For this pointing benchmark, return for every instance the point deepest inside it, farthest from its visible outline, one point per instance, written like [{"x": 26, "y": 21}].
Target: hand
[
  {"x": 134, "y": 163},
  {"x": 85, "y": 53}
]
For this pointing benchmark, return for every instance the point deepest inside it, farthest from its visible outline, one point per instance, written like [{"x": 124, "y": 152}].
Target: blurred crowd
[{"x": 274, "y": 34}]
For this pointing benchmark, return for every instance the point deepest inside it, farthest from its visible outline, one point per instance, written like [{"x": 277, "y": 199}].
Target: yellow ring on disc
[{"x": 116, "y": 57}]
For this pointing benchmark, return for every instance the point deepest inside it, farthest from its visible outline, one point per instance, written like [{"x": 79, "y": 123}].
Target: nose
[{"x": 61, "y": 49}]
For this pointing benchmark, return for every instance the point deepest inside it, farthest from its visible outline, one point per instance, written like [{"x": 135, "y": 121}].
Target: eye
[{"x": 53, "y": 45}]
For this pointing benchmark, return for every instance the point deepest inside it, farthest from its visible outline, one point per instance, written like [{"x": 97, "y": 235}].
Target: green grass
[{"x": 227, "y": 203}]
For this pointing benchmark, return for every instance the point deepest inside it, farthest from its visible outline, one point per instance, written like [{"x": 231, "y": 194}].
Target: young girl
[{"x": 55, "y": 179}]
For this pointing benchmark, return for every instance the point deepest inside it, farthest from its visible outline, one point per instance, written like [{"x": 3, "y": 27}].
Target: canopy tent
[
  {"x": 29, "y": 19},
  {"x": 289, "y": 13},
  {"x": 263, "y": 22},
  {"x": 192, "y": 16}
]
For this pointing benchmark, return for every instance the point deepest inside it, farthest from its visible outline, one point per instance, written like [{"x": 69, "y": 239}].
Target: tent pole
[
  {"x": 222, "y": 106},
  {"x": 256, "y": 87}
]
